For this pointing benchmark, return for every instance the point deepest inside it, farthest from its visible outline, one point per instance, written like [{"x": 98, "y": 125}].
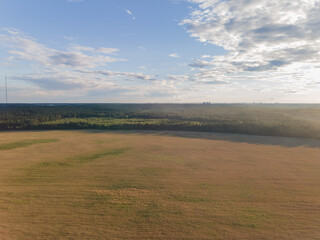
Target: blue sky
[{"x": 160, "y": 51}]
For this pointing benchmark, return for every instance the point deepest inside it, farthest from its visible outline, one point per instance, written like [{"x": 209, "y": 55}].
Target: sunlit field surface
[{"x": 157, "y": 185}]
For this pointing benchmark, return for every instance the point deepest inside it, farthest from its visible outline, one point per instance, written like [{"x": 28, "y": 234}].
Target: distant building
[{"x": 206, "y": 103}]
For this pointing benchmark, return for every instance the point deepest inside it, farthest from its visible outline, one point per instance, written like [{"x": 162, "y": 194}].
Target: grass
[
  {"x": 251, "y": 217},
  {"x": 107, "y": 185},
  {"x": 25, "y": 143},
  {"x": 191, "y": 199},
  {"x": 42, "y": 172},
  {"x": 95, "y": 156}
]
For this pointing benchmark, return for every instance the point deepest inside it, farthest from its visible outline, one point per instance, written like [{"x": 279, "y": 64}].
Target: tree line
[{"x": 273, "y": 120}]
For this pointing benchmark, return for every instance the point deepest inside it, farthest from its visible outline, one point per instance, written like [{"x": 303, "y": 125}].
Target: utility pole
[{"x": 6, "y": 85}]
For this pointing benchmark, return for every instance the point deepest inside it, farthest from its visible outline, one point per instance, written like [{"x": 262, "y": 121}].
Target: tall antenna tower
[{"x": 6, "y": 85}]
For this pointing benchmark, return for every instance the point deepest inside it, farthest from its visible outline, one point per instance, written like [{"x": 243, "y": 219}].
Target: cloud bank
[
  {"x": 265, "y": 40},
  {"x": 25, "y": 48},
  {"x": 77, "y": 68}
]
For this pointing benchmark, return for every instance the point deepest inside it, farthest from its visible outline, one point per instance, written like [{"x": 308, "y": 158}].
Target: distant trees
[{"x": 274, "y": 120}]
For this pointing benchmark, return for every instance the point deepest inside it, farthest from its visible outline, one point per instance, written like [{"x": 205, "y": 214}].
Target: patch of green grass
[
  {"x": 45, "y": 172},
  {"x": 251, "y": 217},
  {"x": 94, "y": 156},
  {"x": 109, "y": 200},
  {"x": 125, "y": 185},
  {"x": 19, "y": 201},
  {"x": 105, "y": 141},
  {"x": 25, "y": 143},
  {"x": 153, "y": 171},
  {"x": 205, "y": 186},
  {"x": 152, "y": 210},
  {"x": 243, "y": 192},
  {"x": 186, "y": 198},
  {"x": 53, "y": 164},
  {"x": 167, "y": 158},
  {"x": 123, "y": 206}
]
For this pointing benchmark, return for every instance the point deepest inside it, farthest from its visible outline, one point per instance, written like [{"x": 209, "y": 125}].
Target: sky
[{"x": 160, "y": 51}]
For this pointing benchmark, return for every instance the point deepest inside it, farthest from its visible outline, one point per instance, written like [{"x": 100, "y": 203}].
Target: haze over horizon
[{"x": 223, "y": 51}]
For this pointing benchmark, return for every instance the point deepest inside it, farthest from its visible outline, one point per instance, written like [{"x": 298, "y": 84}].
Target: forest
[{"x": 287, "y": 120}]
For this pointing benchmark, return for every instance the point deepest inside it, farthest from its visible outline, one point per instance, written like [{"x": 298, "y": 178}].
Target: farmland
[{"x": 97, "y": 184}]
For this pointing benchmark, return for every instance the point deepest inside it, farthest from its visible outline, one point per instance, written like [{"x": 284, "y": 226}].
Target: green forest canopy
[{"x": 290, "y": 120}]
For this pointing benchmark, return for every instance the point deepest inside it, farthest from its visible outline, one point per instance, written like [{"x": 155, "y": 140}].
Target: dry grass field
[{"x": 157, "y": 185}]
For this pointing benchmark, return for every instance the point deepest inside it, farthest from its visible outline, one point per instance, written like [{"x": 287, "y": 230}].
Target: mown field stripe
[
  {"x": 94, "y": 156},
  {"x": 46, "y": 171},
  {"x": 25, "y": 143}
]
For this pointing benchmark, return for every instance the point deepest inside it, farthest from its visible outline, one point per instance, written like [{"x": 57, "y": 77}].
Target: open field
[{"x": 91, "y": 184}]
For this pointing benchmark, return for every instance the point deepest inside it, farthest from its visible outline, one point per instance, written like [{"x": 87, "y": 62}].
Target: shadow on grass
[{"x": 240, "y": 138}]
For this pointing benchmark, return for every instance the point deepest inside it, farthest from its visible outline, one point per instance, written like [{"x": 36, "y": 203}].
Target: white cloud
[
  {"x": 129, "y": 12},
  {"x": 265, "y": 39},
  {"x": 101, "y": 50},
  {"x": 174, "y": 55},
  {"x": 76, "y": 69},
  {"x": 79, "y": 57},
  {"x": 69, "y": 38},
  {"x": 178, "y": 78},
  {"x": 126, "y": 75}
]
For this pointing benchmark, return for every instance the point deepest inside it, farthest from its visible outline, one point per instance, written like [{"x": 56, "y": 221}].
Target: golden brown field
[{"x": 157, "y": 185}]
